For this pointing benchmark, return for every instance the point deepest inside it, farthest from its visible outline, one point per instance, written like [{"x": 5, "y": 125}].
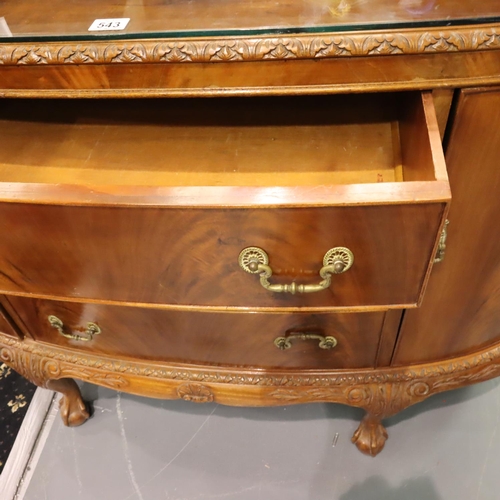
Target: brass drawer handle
[
  {"x": 284, "y": 343},
  {"x": 255, "y": 261},
  {"x": 92, "y": 329},
  {"x": 442, "y": 243}
]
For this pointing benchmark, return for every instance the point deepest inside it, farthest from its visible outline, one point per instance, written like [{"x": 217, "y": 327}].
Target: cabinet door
[{"x": 461, "y": 308}]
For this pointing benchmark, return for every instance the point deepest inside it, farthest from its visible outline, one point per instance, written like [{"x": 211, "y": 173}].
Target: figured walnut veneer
[{"x": 207, "y": 337}]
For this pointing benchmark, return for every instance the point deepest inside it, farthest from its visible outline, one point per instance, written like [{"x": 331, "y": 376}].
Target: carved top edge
[
  {"x": 301, "y": 46},
  {"x": 235, "y": 376}
]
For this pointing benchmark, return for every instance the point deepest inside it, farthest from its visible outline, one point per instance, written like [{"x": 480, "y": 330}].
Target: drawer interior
[{"x": 258, "y": 141}]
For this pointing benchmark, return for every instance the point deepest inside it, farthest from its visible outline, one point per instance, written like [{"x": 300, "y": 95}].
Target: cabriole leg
[
  {"x": 73, "y": 409},
  {"x": 47, "y": 373}
]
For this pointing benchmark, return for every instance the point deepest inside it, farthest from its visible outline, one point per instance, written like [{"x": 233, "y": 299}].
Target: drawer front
[
  {"x": 190, "y": 256},
  {"x": 241, "y": 339}
]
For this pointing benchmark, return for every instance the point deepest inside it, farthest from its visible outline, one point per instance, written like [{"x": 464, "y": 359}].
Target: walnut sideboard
[{"x": 234, "y": 205}]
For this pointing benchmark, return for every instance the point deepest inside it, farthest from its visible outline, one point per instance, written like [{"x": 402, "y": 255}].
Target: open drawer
[{"x": 152, "y": 201}]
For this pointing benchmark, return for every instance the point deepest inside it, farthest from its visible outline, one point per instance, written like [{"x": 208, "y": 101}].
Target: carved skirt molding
[{"x": 381, "y": 392}]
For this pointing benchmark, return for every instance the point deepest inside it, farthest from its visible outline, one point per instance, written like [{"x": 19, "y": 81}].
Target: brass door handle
[
  {"x": 284, "y": 343},
  {"x": 88, "y": 334},
  {"x": 254, "y": 260}
]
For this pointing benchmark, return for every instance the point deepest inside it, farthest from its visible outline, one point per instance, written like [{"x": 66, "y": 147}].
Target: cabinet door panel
[{"x": 461, "y": 308}]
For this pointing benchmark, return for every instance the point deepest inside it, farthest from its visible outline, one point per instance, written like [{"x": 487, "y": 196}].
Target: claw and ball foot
[
  {"x": 73, "y": 409},
  {"x": 45, "y": 372},
  {"x": 370, "y": 436}
]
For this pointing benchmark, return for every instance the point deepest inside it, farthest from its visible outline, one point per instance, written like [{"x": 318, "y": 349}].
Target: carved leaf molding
[
  {"x": 254, "y": 49},
  {"x": 420, "y": 380},
  {"x": 40, "y": 369},
  {"x": 382, "y": 393}
]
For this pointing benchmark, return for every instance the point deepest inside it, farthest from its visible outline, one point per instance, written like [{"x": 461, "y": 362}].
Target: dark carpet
[{"x": 16, "y": 394}]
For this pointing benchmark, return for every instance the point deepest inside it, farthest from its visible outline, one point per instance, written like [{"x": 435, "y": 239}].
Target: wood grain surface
[
  {"x": 212, "y": 338},
  {"x": 187, "y": 257},
  {"x": 268, "y": 77},
  {"x": 461, "y": 309},
  {"x": 6, "y": 325},
  {"x": 294, "y": 141},
  {"x": 443, "y": 100},
  {"x": 232, "y": 152},
  {"x": 27, "y": 19},
  {"x": 183, "y": 257},
  {"x": 101, "y": 234},
  {"x": 287, "y": 141}
]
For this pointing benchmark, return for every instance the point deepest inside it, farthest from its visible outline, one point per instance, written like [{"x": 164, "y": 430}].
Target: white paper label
[
  {"x": 109, "y": 24},
  {"x": 4, "y": 27}
]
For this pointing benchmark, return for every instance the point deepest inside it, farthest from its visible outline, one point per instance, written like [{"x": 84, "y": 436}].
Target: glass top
[{"x": 24, "y": 20}]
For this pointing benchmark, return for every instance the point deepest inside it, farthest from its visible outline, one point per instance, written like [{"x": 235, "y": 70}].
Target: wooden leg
[
  {"x": 382, "y": 401},
  {"x": 73, "y": 409},
  {"x": 370, "y": 436},
  {"x": 47, "y": 373},
  {"x": 382, "y": 393}
]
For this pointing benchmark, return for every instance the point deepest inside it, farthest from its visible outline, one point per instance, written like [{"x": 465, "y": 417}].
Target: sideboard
[{"x": 261, "y": 204}]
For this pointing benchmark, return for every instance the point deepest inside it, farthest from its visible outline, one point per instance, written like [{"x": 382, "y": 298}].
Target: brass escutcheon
[
  {"x": 254, "y": 260},
  {"x": 92, "y": 329}
]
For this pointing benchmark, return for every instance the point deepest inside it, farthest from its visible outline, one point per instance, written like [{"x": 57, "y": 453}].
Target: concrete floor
[{"x": 447, "y": 448}]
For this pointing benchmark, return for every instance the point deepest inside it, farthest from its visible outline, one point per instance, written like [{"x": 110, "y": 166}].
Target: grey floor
[{"x": 447, "y": 448}]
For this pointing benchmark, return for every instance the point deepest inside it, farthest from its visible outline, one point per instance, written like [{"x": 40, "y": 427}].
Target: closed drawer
[
  {"x": 241, "y": 339},
  {"x": 366, "y": 173}
]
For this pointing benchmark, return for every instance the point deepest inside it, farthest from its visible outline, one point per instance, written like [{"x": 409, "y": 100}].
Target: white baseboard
[{"x": 14, "y": 470}]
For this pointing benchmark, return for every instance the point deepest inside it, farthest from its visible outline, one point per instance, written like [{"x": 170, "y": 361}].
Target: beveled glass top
[{"x": 70, "y": 19}]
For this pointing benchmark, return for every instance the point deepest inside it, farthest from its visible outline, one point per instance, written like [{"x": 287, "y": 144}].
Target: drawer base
[{"x": 380, "y": 392}]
